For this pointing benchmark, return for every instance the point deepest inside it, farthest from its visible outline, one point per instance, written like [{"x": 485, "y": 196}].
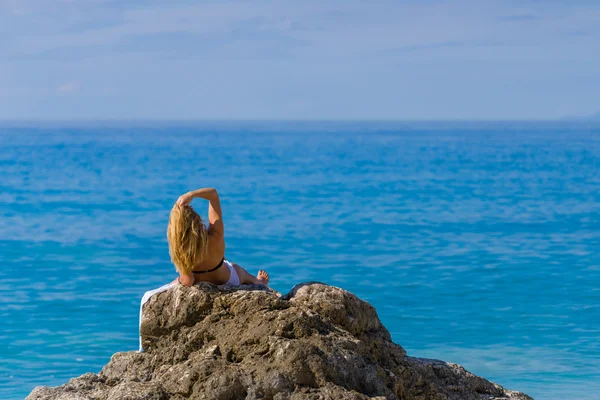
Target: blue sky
[{"x": 104, "y": 59}]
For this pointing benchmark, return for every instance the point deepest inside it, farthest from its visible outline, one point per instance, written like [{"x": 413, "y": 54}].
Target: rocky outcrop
[{"x": 317, "y": 342}]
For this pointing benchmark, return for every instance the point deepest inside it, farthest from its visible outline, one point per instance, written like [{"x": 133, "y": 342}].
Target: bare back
[{"x": 216, "y": 244}]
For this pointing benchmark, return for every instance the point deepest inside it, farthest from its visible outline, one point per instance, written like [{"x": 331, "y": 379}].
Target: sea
[{"x": 477, "y": 242}]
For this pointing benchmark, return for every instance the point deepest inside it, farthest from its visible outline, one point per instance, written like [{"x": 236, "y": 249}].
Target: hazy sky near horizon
[{"x": 309, "y": 59}]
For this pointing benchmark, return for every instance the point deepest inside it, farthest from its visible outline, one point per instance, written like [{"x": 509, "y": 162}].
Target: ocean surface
[{"x": 478, "y": 243}]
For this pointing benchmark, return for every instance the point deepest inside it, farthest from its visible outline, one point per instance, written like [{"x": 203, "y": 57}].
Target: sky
[{"x": 304, "y": 59}]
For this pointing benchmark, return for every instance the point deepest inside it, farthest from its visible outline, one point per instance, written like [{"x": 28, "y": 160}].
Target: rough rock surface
[{"x": 317, "y": 342}]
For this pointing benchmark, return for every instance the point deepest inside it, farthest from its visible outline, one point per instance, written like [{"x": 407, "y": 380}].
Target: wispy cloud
[
  {"x": 314, "y": 57},
  {"x": 279, "y": 24},
  {"x": 69, "y": 87},
  {"x": 429, "y": 46},
  {"x": 519, "y": 17},
  {"x": 324, "y": 28}
]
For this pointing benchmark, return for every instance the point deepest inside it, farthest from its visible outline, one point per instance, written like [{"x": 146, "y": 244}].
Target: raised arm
[{"x": 215, "y": 215}]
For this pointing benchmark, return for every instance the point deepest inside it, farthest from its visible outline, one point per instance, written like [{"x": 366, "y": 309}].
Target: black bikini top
[{"x": 210, "y": 270}]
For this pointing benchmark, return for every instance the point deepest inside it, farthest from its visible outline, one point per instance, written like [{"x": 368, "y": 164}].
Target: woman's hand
[{"x": 185, "y": 199}]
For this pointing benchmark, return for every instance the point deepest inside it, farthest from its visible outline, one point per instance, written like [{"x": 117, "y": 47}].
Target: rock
[{"x": 317, "y": 342}]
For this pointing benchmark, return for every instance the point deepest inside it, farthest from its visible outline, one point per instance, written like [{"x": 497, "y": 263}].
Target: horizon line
[{"x": 295, "y": 120}]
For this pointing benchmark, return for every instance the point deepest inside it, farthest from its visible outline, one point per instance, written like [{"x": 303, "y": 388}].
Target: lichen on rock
[{"x": 317, "y": 342}]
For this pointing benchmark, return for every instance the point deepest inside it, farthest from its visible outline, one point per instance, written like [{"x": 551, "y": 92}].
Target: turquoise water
[{"x": 477, "y": 243}]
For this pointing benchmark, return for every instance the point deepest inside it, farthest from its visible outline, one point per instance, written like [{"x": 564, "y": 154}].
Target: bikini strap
[{"x": 210, "y": 270}]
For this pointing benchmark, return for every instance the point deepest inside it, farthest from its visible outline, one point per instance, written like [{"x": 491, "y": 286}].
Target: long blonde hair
[{"x": 188, "y": 238}]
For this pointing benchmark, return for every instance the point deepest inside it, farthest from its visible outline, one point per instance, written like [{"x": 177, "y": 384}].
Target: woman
[{"x": 198, "y": 251}]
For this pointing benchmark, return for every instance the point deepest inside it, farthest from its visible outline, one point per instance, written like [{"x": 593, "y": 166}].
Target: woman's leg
[{"x": 261, "y": 279}]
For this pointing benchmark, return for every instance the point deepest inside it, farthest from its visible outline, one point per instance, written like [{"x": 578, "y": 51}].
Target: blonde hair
[{"x": 188, "y": 238}]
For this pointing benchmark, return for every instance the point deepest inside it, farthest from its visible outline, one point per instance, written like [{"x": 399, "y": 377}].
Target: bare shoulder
[
  {"x": 216, "y": 229},
  {"x": 216, "y": 245}
]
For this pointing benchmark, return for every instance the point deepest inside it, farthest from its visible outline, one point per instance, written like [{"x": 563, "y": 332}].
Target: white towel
[{"x": 145, "y": 298}]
